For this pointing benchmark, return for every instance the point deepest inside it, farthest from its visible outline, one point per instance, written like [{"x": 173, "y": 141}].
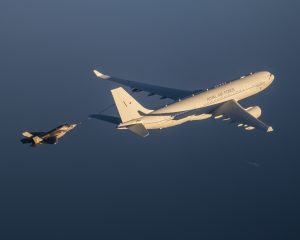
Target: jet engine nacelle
[{"x": 255, "y": 111}]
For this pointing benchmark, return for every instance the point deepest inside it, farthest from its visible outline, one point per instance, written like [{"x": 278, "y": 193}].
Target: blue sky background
[{"x": 195, "y": 181}]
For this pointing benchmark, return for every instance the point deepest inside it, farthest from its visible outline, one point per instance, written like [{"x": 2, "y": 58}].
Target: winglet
[
  {"x": 101, "y": 75},
  {"x": 270, "y": 129}
]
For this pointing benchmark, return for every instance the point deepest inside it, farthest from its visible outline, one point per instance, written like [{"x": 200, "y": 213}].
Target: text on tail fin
[{"x": 127, "y": 106}]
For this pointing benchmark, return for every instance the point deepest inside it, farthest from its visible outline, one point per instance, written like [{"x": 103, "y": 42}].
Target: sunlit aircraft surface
[
  {"x": 50, "y": 137},
  {"x": 219, "y": 102}
]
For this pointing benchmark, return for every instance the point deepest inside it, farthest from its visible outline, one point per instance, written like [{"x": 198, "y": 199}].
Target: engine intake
[{"x": 255, "y": 111}]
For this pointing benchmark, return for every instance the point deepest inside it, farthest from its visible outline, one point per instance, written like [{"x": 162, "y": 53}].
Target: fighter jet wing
[
  {"x": 164, "y": 92},
  {"x": 235, "y": 113},
  {"x": 51, "y": 140}
]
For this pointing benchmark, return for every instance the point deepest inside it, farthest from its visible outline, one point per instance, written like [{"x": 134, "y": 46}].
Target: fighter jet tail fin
[
  {"x": 27, "y": 134},
  {"x": 127, "y": 106},
  {"x": 37, "y": 140}
]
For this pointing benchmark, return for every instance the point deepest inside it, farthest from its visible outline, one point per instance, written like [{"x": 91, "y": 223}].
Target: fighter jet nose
[{"x": 71, "y": 126}]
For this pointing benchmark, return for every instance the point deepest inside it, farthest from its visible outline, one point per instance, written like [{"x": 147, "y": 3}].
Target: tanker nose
[{"x": 272, "y": 77}]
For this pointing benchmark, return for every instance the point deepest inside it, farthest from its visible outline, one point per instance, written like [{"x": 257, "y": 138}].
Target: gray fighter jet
[{"x": 51, "y": 137}]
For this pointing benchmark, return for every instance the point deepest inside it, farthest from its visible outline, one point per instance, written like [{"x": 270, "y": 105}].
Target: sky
[{"x": 200, "y": 180}]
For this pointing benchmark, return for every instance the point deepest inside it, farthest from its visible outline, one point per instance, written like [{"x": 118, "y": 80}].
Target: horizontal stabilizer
[
  {"x": 26, "y": 140},
  {"x": 27, "y": 134},
  {"x": 139, "y": 129},
  {"x": 106, "y": 118}
]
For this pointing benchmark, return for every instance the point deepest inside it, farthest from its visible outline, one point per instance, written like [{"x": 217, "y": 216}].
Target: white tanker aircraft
[{"x": 219, "y": 102}]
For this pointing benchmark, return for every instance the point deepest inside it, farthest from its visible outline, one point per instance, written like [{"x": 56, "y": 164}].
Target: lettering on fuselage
[{"x": 221, "y": 94}]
